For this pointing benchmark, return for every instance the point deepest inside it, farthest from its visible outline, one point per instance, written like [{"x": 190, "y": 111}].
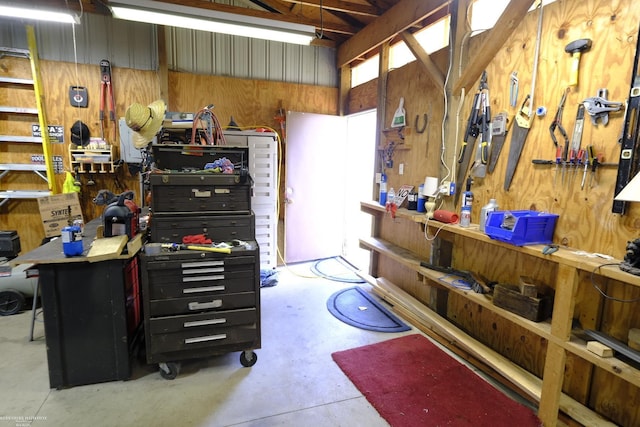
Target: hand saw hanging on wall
[{"x": 525, "y": 115}]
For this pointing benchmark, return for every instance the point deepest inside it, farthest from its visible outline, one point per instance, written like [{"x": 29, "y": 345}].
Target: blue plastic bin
[{"x": 530, "y": 228}]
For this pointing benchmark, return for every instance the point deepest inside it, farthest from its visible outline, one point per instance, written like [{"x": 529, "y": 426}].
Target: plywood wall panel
[{"x": 252, "y": 103}]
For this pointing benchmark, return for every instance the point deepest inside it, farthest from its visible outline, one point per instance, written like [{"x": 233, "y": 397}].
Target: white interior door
[
  {"x": 315, "y": 186},
  {"x": 361, "y": 150}
]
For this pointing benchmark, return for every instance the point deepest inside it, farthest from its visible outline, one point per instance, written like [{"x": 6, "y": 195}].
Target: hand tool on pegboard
[
  {"x": 479, "y": 167},
  {"x": 628, "y": 164},
  {"x": 557, "y": 122},
  {"x": 576, "y": 48},
  {"x": 524, "y": 116},
  {"x": 599, "y": 107},
  {"x": 513, "y": 89},
  {"x": 471, "y": 133},
  {"x": 106, "y": 90},
  {"x": 499, "y": 131},
  {"x": 576, "y": 141}
]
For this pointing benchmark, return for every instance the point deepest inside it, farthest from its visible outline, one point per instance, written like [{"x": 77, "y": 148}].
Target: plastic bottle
[
  {"x": 485, "y": 211},
  {"x": 72, "y": 240},
  {"x": 467, "y": 196},
  {"x": 467, "y": 203},
  {"x": 383, "y": 190},
  {"x": 465, "y": 216},
  {"x": 421, "y": 199},
  {"x": 391, "y": 196}
]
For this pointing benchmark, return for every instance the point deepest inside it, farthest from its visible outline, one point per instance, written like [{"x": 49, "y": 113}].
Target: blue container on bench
[{"x": 530, "y": 227}]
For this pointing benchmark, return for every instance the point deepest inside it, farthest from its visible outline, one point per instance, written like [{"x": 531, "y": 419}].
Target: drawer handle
[
  {"x": 202, "y": 264},
  {"x": 201, "y": 193},
  {"x": 222, "y": 191},
  {"x": 205, "y": 339},
  {"x": 202, "y": 278},
  {"x": 216, "y": 303},
  {"x": 203, "y": 289},
  {"x": 204, "y": 270},
  {"x": 204, "y": 322}
]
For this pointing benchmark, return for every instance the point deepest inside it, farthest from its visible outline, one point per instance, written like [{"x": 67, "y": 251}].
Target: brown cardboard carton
[{"x": 58, "y": 211}]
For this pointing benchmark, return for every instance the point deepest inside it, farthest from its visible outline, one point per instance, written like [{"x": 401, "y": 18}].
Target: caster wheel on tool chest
[
  {"x": 248, "y": 358},
  {"x": 169, "y": 370}
]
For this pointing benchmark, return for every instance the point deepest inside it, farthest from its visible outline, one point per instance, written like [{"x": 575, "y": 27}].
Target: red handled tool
[{"x": 106, "y": 89}]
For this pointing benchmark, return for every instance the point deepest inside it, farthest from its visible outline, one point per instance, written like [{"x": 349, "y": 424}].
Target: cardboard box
[{"x": 57, "y": 211}]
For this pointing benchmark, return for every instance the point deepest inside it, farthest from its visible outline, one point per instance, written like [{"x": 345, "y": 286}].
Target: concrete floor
[{"x": 294, "y": 383}]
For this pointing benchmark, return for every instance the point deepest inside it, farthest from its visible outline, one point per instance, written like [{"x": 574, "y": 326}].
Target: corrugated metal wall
[{"x": 134, "y": 45}]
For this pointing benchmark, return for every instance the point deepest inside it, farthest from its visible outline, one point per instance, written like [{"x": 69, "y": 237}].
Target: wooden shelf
[
  {"x": 557, "y": 332},
  {"x": 543, "y": 329},
  {"x": 92, "y": 160},
  {"x": 564, "y": 255}
]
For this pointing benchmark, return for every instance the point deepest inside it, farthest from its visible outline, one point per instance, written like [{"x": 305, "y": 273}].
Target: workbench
[
  {"x": 566, "y": 270},
  {"x": 91, "y": 311}
]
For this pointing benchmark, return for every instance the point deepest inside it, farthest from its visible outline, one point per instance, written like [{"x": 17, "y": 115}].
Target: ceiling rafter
[{"x": 342, "y": 6}]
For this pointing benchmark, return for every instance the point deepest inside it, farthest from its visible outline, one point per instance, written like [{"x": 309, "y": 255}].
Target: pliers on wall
[{"x": 557, "y": 122}]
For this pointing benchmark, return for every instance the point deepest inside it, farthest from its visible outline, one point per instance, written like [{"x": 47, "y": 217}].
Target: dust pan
[{"x": 399, "y": 118}]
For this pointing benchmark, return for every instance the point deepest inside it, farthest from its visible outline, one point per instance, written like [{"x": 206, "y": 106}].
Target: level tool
[
  {"x": 628, "y": 164},
  {"x": 524, "y": 116}
]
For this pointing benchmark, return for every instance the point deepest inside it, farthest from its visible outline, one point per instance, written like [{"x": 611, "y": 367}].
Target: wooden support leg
[{"x": 561, "y": 321}]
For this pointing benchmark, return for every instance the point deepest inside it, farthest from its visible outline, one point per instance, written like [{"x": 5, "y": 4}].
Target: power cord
[{"x": 603, "y": 293}]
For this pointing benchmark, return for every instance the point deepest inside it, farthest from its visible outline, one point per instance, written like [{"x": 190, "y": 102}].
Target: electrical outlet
[
  {"x": 448, "y": 188},
  {"x": 378, "y": 177},
  {"x": 401, "y": 169}
]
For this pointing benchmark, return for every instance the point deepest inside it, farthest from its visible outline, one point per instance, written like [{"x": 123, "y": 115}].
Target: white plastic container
[
  {"x": 391, "y": 196},
  {"x": 465, "y": 216},
  {"x": 485, "y": 211}
]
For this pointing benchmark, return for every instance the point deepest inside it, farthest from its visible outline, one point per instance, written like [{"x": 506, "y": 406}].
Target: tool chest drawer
[
  {"x": 199, "y": 192},
  {"x": 198, "y": 270},
  {"x": 190, "y": 340},
  {"x": 198, "y": 303},
  {"x": 170, "y": 228},
  {"x": 176, "y": 288},
  {"x": 202, "y": 322}
]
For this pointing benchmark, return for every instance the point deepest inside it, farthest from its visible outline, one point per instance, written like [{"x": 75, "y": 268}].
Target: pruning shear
[{"x": 549, "y": 249}]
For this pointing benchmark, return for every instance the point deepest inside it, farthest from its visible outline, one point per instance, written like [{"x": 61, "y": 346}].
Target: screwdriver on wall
[
  {"x": 588, "y": 161},
  {"x": 558, "y": 161}
]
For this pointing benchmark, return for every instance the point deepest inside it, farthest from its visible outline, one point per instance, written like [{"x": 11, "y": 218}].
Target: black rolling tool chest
[{"x": 198, "y": 304}]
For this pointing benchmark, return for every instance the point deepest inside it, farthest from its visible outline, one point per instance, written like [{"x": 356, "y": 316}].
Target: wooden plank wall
[
  {"x": 251, "y": 103},
  {"x": 586, "y": 222}
]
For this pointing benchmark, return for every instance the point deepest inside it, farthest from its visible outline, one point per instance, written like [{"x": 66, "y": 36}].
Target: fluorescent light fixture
[
  {"x": 38, "y": 14},
  {"x": 175, "y": 15},
  {"x": 631, "y": 192}
]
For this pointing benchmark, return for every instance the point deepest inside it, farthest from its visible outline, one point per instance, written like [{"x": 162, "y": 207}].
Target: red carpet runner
[{"x": 411, "y": 382}]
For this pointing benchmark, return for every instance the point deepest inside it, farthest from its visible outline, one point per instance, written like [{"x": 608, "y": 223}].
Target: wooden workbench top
[{"x": 52, "y": 253}]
